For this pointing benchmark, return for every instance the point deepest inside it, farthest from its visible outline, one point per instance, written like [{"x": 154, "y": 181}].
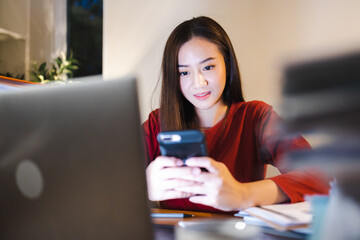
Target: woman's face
[{"x": 202, "y": 73}]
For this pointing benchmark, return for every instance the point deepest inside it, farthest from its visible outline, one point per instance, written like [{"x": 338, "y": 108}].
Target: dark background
[{"x": 84, "y": 35}]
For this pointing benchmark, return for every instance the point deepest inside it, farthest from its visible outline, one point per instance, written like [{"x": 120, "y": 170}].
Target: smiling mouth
[{"x": 202, "y": 95}]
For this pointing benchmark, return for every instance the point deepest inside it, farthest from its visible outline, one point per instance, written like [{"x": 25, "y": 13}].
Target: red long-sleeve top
[{"x": 245, "y": 141}]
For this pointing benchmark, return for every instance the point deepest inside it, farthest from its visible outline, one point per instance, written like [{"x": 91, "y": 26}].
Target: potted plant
[{"x": 59, "y": 72}]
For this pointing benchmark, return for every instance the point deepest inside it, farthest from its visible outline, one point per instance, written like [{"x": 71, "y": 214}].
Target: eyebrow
[{"x": 201, "y": 62}]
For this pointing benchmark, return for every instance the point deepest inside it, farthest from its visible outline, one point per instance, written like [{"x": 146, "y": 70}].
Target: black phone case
[{"x": 182, "y": 144}]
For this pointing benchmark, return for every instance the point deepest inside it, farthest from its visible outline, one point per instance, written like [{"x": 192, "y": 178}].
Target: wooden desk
[
  {"x": 164, "y": 227},
  {"x": 198, "y": 216}
]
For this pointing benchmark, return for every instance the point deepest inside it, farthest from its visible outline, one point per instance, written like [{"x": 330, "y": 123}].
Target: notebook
[{"x": 72, "y": 163}]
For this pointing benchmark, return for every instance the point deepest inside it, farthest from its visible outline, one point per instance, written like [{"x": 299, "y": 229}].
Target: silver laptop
[{"x": 72, "y": 163}]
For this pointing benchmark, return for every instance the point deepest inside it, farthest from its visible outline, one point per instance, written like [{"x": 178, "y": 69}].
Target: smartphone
[{"x": 182, "y": 144}]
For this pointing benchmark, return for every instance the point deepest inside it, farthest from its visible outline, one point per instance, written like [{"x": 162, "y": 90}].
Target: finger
[
  {"x": 202, "y": 177},
  {"x": 173, "y": 194},
  {"x": 164, "y": 161},
  {"x": 203, "y": 162},
  {"x": 194, "y": 189},
  {"x": 178, "y": 172},
  {"x": 177, "y": 183},
  {"x": 204, "y": 200}
]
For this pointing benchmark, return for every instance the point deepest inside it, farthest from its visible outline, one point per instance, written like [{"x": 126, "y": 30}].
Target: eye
[
  {"x": 207, "y": 68},
  {"x": 183, "y": 73}
]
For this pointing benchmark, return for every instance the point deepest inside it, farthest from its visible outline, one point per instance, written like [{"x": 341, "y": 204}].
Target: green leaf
[
  {"x": 59, "y": 71},
  {"x": 42, "y": 67}
]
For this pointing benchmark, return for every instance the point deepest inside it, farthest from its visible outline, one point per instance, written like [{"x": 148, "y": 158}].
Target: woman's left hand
[{"x": 217, "y": 187}]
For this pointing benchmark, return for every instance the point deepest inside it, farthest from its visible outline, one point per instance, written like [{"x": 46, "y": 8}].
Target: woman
[{"x": 201, "y": 89}]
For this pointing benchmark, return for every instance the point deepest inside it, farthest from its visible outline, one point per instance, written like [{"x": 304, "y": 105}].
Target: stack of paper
[{"x": 282, "y": 216}]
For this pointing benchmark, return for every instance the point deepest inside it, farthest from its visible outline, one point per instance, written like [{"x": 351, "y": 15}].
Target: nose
[{"x": 199, "y": 80}]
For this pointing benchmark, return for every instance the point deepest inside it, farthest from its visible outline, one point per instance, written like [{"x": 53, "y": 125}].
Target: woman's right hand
[{"x": 166, "y": 173}]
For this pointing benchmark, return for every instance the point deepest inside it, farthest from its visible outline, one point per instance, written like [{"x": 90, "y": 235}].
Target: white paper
[{"x": 284, "y": 214}]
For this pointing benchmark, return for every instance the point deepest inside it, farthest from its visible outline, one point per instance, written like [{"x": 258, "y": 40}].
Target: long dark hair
[{"x": 176, "y": 112}]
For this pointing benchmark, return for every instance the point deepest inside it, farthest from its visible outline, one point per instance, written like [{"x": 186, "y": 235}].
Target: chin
[{"x": 204, "y": 107}]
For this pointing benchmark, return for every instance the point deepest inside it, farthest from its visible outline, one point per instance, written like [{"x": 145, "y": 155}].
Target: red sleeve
[
  {"x": 273, "y": 147},
  {"x": 151, "y": 128}
]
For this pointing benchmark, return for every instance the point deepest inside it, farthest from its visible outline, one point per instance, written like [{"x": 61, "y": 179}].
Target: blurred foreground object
[{"x": 322, "y": 97}]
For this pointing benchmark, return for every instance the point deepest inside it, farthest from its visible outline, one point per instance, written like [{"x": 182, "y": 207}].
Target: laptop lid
[{"x": 72, "y": 163}]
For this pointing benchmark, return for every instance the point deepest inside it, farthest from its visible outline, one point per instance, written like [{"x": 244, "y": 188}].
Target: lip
[{"x": 202, "y": 95}]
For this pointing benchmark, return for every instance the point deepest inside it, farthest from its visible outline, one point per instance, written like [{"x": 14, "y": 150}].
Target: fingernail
[
  {"x": 188, "y": 160},
  {"x": 196, "y": 171},
  {"x": 179, "y": 163}
]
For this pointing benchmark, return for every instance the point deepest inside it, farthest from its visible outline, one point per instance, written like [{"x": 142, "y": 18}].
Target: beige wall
[
  {"x": 13, "y": 17},
  {"x": 42, "y": 23},
  {"x": 265, "y": 35},
  {"x": 47, "y": 29}
]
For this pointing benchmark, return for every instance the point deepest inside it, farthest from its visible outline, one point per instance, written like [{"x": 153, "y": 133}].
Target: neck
[{"x": 209, "y": 117}]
